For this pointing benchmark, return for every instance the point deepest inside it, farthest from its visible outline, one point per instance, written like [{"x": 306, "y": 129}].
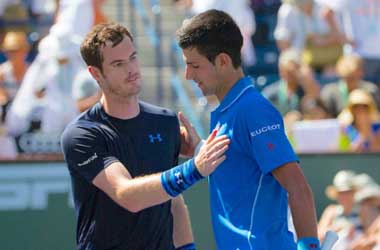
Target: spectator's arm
[
  {"x": 87, "y": 102},
  {"x": 326, "y": 221},
  {"x": 308, "y": 83}
]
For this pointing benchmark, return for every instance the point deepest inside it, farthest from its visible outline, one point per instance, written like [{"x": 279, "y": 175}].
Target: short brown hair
[{"x": 97, "y": 38}]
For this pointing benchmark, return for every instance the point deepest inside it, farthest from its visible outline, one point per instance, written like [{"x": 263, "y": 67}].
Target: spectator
[
  {"x": 16, "y": 47},
  {"x": 8, "y": 145},
  {"x": 350, "y": 70},
  {"x": 301, "y": 25},
  {"x": 361, "y": 122},
  {"x": 4, "y": 4},
  {"x": 86, "y": 91},
  {"x": 312, "y": 108},
  {"x": 44, "y": 104},
  {"x": 296, "y": 81},
  {"x": 48, "y": 81},
  {"x": 368, "y": 199},
  {"x": 4, "y": 7},
  {"x": 343, "y": 216},
  {"x": 363, "y": 180},
  {"x": 361, "y": 21},
  {"x": 14, "y": 15},
  {"x": 41, "y": 15}
]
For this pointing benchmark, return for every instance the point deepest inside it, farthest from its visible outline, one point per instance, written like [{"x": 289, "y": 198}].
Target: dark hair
[
  {"x": 211, "y": 33},
  {"x": 97, "y": 38}
]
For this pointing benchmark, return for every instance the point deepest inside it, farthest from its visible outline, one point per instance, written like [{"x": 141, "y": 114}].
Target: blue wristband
[
  {"x": 308, "y": 243},
  {"x": 178, "y": 179},
  {"x": 190, "y": 246}
]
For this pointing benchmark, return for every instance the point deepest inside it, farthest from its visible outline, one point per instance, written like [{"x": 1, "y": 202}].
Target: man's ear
[
  {"x": 223, "y": 60},
  {"x": 95, "y": 73}
]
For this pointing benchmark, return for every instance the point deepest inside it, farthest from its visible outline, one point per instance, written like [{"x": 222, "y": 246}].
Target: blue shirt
[{"x": 248, "y": 205}]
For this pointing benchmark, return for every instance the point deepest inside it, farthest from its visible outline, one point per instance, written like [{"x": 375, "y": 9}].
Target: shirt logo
[
  {"x": 155, "y": 138},
  {"x": 93, "y": 157},
  {"x": 265, "y": 129},
  {"x": 270, "y": 146}
]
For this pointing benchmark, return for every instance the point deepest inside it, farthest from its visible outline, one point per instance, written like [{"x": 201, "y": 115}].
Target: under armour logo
[
  {"x": 153, "y": 138},
  {"x": 179, "y": 178}
]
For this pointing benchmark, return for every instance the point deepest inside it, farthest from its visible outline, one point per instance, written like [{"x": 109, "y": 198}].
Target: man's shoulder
[
  {"x": 254, "y": 102},
  {"x": 369, "y": 86},
  {"x": 90, "y": 117},
  {"x": 330, "y": 88},
  {"x": 86, "y": 123},
  {"x": 268, "y": 94},
  {"x": 155, "y": 110}
]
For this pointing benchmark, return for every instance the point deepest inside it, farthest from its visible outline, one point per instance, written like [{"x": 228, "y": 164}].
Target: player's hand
[
  {"x": 211, "y": 154},
  {"x": 189, "y": 137}
]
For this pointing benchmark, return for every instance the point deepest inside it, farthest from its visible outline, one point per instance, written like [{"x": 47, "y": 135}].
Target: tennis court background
[{"x": 36, "y": 210}]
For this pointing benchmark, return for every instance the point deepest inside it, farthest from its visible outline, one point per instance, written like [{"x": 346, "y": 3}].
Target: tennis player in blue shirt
[{"x": 251, "y": 190}]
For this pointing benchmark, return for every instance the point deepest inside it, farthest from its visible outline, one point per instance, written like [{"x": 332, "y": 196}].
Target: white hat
[
  {"x": 371, "y": 191},
  {"x": 344, "y": 180},
  {"x": 363, "y": 180}
]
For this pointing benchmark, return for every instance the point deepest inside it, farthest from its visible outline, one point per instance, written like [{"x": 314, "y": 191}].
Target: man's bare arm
[
  {"x": 182, "y": 233},
  {"x": 301, "y": 200},
  {"x": 139, "y": 193}
]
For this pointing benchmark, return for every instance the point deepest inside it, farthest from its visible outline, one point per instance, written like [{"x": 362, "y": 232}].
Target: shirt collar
[{"x": 234, "y": 93}]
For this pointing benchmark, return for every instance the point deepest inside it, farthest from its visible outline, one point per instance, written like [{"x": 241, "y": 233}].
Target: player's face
[
  {"x": 202, "y": 71},
  {"x": 121, "y": 69}
]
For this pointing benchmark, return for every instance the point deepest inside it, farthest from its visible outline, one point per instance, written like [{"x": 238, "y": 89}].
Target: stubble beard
[{"x": 124, "y": 91}]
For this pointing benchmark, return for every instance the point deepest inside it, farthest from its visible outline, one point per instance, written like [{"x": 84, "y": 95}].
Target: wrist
[
  {"x": 178, "y": 179},
  {"x": 190, "y": 246},
  {"x": 198, "y": 147},
  {"x": 308, "y": 243}
]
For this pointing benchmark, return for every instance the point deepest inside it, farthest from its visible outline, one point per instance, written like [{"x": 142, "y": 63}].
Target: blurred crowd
[
  {"x": 43, "y": 82},
  {"x": 355, "y": 215},
  {"x": 334, "y": 40},
  {"x": 317, "y": 61}
]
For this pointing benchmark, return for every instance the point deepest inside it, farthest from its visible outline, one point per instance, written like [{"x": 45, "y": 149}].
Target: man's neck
[
  {"x": 352, "y": 84},
  {"x": 230, "y": 80},
  {"x": 121, "y": 108}
]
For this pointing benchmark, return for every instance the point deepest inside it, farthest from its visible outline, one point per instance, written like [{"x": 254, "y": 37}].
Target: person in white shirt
[{"x": 361, "y": 21}]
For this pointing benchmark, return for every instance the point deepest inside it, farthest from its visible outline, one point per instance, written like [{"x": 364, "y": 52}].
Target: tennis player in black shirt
[{"x": 122, "y": 155}]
